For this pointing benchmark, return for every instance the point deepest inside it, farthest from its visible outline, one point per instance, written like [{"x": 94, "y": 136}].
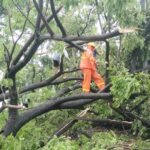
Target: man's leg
[
  {"x": 99, "y": 81},
  {"x": 86, "y": 80}
]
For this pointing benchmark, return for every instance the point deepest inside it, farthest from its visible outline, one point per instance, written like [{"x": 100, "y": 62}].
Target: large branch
[
  {"x": 68, "y": 89},
  {"x": 131, "y": 116},
  {"x": 102, "y": 37},
  {"x": 40, "y": 84},
  {"x": 52, "y": 105},
  {"x": 50, "y": 81},
  {"x": 69, "y": 124},
  {"x": 74, "y": 45},
  {"x": 109, "y": 123},
  {"x": 58, "y": 81}
]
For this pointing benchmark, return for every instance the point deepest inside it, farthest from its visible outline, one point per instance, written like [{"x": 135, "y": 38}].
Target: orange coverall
[{"x": 88, "y": 68}]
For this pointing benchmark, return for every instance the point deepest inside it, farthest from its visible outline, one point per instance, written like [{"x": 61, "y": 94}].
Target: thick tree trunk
[{"x": 13, "y": 113}]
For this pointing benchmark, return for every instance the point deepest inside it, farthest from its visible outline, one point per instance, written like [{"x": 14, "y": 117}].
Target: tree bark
[
  {"x": 13, "y": 113},
  {"x": 54, "y": 104},
  {"x": 109, "y": 123}
]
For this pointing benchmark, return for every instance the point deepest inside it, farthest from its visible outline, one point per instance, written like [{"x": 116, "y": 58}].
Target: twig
[
  {"x": 6, "y": 55},
  {"x": 10, "y": 27},
  {"x": 139, "y": 104},
  {"x": 87, "y": 21}
]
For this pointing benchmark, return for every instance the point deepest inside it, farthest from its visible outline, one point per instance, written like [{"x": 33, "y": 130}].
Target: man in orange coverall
[{"x": 88, "y": 68}]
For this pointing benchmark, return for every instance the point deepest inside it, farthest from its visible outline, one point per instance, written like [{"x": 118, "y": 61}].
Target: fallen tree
[{"x": 16, "y": 61}]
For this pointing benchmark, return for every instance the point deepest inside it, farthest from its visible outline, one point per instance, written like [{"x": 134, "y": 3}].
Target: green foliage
[
  {"x": 138, "y": 129},
  {"x": 2, "y": 60},
  {"x": 23, "y": 139},
  {"x": 3, "y": 116},
  {"x": 80, "y": 126},
  {"x": 41, "y": 96},
  {"x": 99, "y": 141},
  {"x": 10, "y": 144},
  {"x": 102, "y": 109},
  {"x": 123, "y": 86},
  {"x": 111, "y": 140},
  {"x": 61, "y": 143},
  {"x": 145, "y": 144},
  {"x": 144, "y": 80},
  {"x": 1, "y": 7},
  {"x": 133, "y": 41},
  {"x": 6, "y": 82},
  {"x": 70, "y": 4},
  {"x": 127, "y": 13},
  {"x": 103, "y": 140}
]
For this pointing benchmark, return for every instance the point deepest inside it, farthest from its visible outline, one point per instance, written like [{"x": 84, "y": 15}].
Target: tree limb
[
  {"x": 51, "y": 105},
  {"x": 107, "y": 60},
  {"x": 40, "y": 84},
  {"x": 139, "y": 104},
  {"x": 68, "y": 89},
  {"x": 68, "y": 125},
  {"x": 109, "y": 123},
  {"x": 65, "y": 80},
  {"x": 56, "y": 18},
  {"x": 38, "y": 19},
  {"x": 43, "y": 18},
  {"x": 102, "y": 37}
]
